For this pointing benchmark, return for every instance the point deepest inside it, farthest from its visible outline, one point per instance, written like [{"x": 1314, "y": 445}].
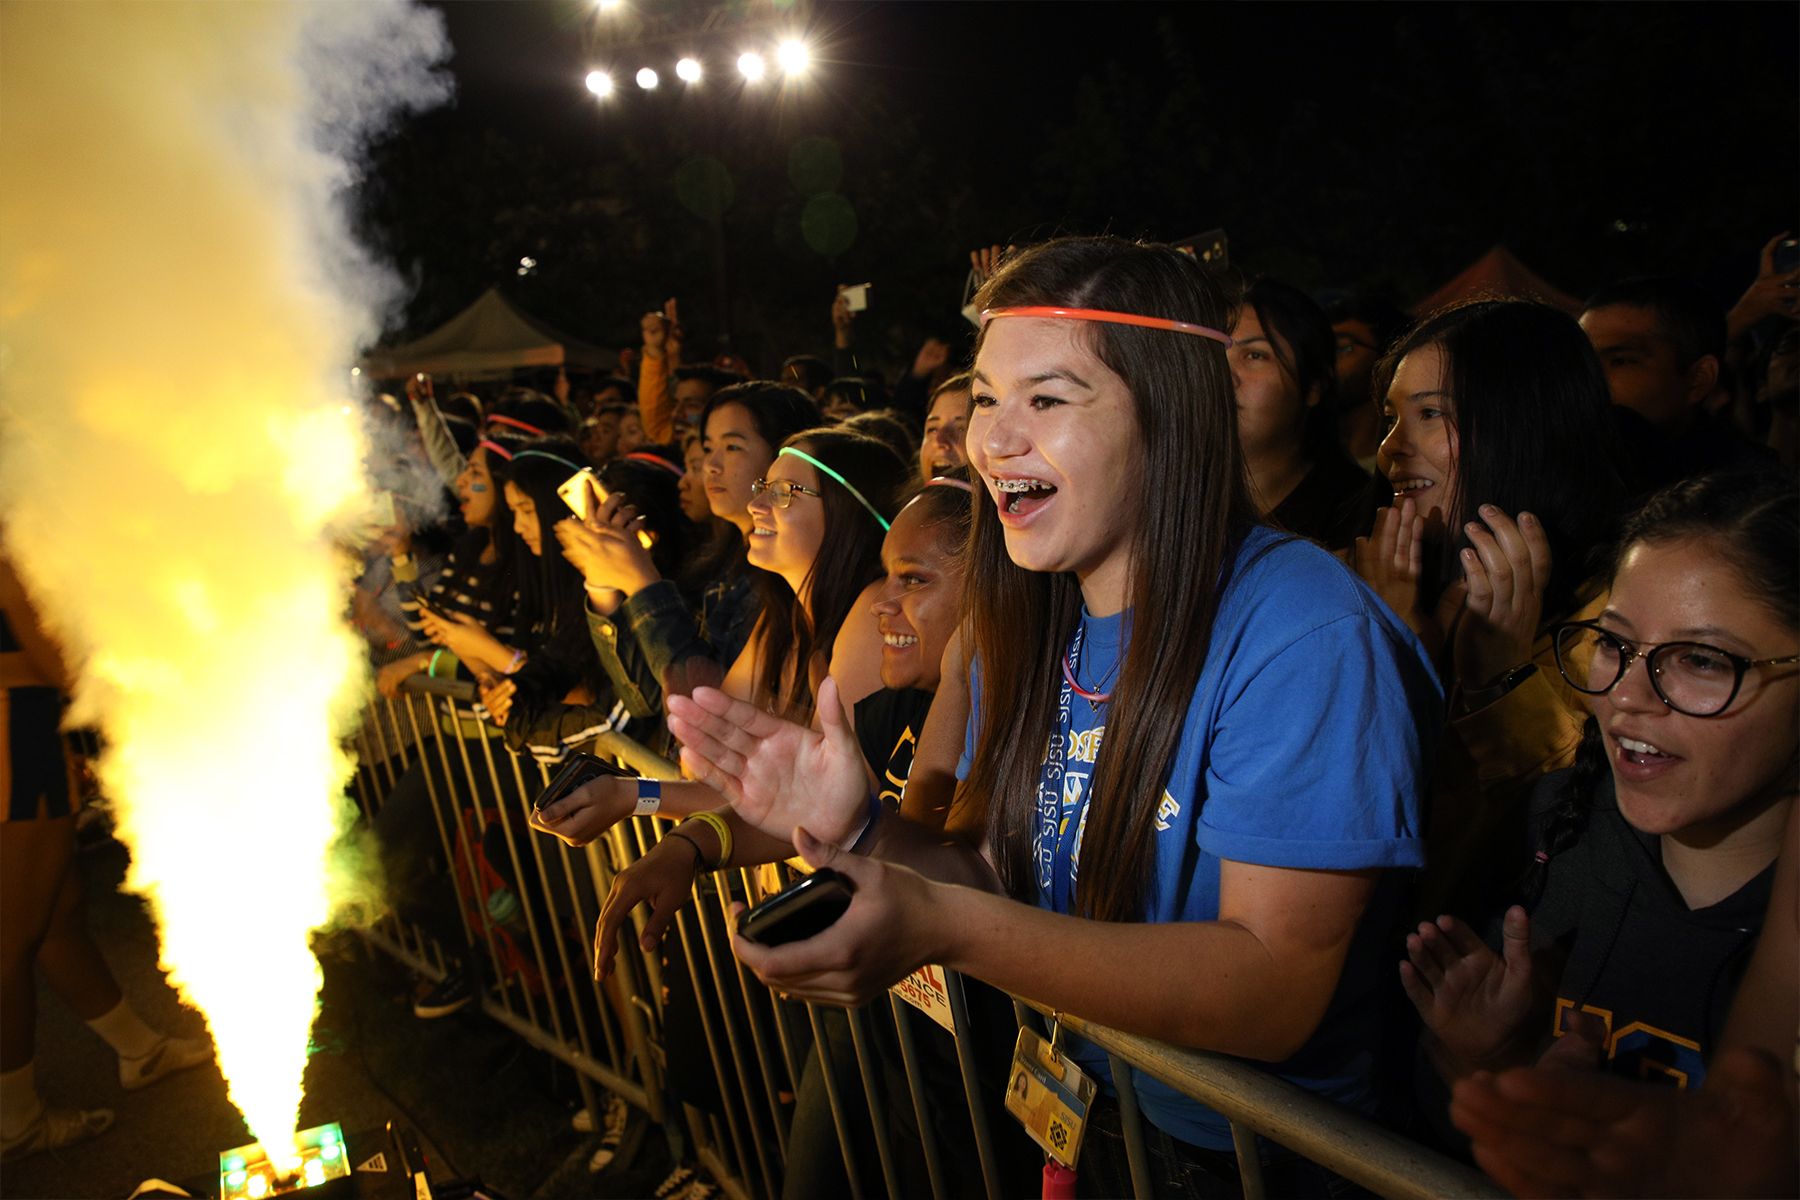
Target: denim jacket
[{"x": 654, "y": 629}]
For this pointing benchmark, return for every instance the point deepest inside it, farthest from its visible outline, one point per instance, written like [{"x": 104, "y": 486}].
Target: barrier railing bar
[
  {"x": 1131, "y": 1123},
  {"x": 915, "y": 1084},
  {"x": 387, "y": 761},
  {"x": 748, "y": 985},
  {"x": 865, "y": 1062},
  {"x": 1250, "y": 1173},
  {"x": 839, "y": 1117},
  {"x": 468, "y": 851},
  {"x": 744, "y": 1091},
  {"x": 639, "y": 1034},
  {"x": 965, "y": 1059},
  {"x": 437, "y": 810},
  {"x": 1335, "y": 1137},
  {"x": 401, "y": 954},
  {"x": 626, "y": 1089},
  {"x": 721, "y": 1172},
  {"x": 706, "y": 1021},
  {"x": 602, "y": 1005},
  {"x": 393, "y": 723},
  {"x": 506, "y": 834},
  {"x": 645, "y": 832},
  {"x": 557, "y": 937}
]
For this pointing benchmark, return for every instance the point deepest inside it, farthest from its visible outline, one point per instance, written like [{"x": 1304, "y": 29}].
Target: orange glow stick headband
[{"x": 1100, "y": 314}]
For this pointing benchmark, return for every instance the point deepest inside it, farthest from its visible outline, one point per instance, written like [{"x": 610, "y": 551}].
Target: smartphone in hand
[
  {"x": 807, "y": 907},
  {"x": 579, "y": 769},
  {"x": 582, "y": 492}
]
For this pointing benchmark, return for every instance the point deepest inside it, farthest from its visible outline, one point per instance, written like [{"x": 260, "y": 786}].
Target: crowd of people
[
  {"x": 1430, "y": 683},
  {"x": 1363, "y": 599}
]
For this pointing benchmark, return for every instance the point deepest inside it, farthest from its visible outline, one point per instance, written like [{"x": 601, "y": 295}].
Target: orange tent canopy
[{"x": 1498, "y": 273}]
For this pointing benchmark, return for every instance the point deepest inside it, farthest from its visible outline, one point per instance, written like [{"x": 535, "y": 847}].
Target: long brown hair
[
  {"x": 848, "y": 561},
  {"x": 1196, "y": 512}
]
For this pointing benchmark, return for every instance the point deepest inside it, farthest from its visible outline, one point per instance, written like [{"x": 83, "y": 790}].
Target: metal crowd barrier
[{"x": 618, "y": 1035}]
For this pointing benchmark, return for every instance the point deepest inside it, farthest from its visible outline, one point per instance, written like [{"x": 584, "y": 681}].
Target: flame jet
[{"x": 179, "y": 305}]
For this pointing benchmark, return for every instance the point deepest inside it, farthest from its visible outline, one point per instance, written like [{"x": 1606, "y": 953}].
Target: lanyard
[{"x": 1049, "y": 840}]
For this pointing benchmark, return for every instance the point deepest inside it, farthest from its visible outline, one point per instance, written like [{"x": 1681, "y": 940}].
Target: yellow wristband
[{"x": 723, "y": 830}]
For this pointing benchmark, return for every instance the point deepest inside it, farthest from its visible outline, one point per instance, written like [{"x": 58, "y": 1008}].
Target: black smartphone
[
  {"x": 806, "y": 907},
  {"x": 1787, "y": 256},
  {"x": 579, "y": 769}
]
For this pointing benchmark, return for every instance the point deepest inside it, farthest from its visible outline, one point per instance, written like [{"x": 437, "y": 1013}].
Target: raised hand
[
  {"x": 1772, "y": 292},
  {"x": 1475, "y": 1002},
  {"x": 776, "y": 774},
  {"x": 1506, "y": 572},
  {"x": 1391, "y": 559},
  {"x": 930, "y": 357},
  {"x": 606, "y": 549},
  {"x": 1587, "y": 1133},
  {"x": 665, "y": 878},
  {"x": 588, "y": 811},
  {"x": 892, "y": 928}
]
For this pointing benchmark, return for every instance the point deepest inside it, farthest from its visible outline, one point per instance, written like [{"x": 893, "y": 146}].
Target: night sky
[{"x": 1342, "y": 146}]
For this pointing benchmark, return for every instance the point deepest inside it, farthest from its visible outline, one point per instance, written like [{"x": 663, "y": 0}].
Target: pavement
[{"x": 482, "y": 1103}]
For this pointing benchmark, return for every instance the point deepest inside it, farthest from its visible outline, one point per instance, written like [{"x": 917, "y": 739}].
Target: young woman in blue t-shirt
[{"x": 1235, "y": 725}]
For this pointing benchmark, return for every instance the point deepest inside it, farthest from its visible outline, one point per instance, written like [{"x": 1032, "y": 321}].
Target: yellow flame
[{"x": 172, "y": 364}]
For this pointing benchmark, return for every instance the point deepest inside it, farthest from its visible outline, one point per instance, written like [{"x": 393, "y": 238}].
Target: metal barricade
[{"x": 757, "y": 1045}]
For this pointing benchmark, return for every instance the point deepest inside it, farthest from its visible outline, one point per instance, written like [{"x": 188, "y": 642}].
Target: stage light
[
  {"x": 751, "y": 65},
  {"x": 689, "y": 70},
  {"x": 793, "y": 57},
  {"x": 646, "y": 79},
  {"x": 599, "y": 83},
  {"x": 607, "y": 6}
]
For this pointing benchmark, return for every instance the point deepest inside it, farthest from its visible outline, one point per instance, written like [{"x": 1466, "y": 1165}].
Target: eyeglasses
[
  {"x": 1690, "y": 677},
  {"x": 781, "y": 491}
]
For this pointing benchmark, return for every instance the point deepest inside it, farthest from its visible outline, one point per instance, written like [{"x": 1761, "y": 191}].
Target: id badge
[{"x": 1050, "y": 1096}]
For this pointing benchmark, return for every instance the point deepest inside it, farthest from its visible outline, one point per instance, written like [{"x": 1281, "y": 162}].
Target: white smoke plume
[{"x": 180, "y": 304}]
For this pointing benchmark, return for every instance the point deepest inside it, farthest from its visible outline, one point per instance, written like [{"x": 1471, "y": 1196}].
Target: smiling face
[
  {"x": 1419, "y": 453},
  {"x": 919, "y": 601},
  {"x": 1054, "y": 437},
  {"x": 475, "y": 490},
  {"x": 1698, "y": 777},
  {"x": 1271, "y": 413},
  {"x": 942, "y": 447},
  {"x": 786, "y": 540},
  {"x": 735, "y": 456}
]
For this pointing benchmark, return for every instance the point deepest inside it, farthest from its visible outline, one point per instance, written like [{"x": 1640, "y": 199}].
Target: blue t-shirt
[{"x": 1307, "y": 744}]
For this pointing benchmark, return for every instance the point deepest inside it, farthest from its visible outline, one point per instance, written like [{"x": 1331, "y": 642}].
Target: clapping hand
[
  {"x": 776, "y": 774},
  {"x": 1504, "y": 575},
  {"x": 1475, "y": 1002}
]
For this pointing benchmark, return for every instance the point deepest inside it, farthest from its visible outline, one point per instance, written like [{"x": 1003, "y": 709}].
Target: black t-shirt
[
  {"x": 887, "y": 725},
  {"x": 1661, "y": 975},
  {"x": 1333, "y": 504}
]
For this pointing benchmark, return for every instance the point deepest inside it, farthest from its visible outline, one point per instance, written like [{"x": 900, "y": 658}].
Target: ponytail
[{"x": 1567, "y": 818}]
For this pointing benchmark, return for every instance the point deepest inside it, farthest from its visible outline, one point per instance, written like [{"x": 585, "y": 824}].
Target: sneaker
[
  {"x": 451, "y": 995},
  {"x": 56, "y": 1128},
  {"x": 170, "y": 1055},
  {"x": 617, "y": 1114},
  {"x": 679, "y": 1180}
]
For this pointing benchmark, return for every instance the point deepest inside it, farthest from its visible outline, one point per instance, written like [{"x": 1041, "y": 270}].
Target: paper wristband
[{"x": 649, "y": 798}]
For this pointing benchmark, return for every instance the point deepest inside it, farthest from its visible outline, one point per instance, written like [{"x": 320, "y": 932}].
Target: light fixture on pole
[
  {"x": 750, "y": 65},
  {"x": 599, "y": 83},
  {"x": 689, "y": 70},
  {"x": 793, "y": 57},
  {"x": 646, "y": 79}
]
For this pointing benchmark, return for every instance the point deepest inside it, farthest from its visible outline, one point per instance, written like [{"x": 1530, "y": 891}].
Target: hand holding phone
[
  {"x": 805, "y": 909},
  {"x": 582, "y": 492}
]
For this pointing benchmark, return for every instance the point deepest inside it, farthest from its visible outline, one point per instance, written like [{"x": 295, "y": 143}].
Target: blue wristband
[
  {"x": 868, "y": 830},
  {"x": 649, "y": 797}
]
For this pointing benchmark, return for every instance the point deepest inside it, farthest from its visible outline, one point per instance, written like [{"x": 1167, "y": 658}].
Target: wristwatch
[{"x": 1475, "y": 699}]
